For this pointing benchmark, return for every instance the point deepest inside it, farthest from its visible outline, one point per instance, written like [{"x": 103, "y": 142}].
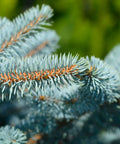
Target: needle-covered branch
[
  {"x": 43, "y": 43},
  {"x": 23, "y": 26},
  {"x": 20, "y": 76}
]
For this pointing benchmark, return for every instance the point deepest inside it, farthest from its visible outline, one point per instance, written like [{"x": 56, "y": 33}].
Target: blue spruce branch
[
  {"x": 19, "y": 76},
  {"x": 10, "y": 135},
  {"x": 43, "y": 43},
  {"x": 53, "y": 89},
  {"x": 23, "y": 26}
]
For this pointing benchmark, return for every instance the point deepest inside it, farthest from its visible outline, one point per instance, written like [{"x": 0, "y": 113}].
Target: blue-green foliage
[
  {"x": 45, "y": 42},
  {"x": 90, "y": 128},
  {"x": 39, "y": 64},
  {"x": 16, "y": 34},
  {"x": 102, "y": 82},
  {"x": 113, "y": 58},
  {"x": 37, "y": 123},
  {"x": 10, "y": 135},
  {"x": 24, "y": 20},
  {"x": 52, "y": 95},
  {"x": 3, "y": 22}
]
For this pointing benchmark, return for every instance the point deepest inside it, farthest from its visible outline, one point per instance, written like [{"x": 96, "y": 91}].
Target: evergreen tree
[{"x": 49, "y": 98}]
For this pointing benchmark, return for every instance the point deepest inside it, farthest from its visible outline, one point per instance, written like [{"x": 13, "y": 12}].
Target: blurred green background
[{"x": 87, "y": 27}]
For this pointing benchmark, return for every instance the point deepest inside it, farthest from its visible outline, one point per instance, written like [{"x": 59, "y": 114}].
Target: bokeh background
[{"x": 86, "y": 27}]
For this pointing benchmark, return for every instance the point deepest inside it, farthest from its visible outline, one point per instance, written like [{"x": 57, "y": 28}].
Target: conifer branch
[
  {"x": 22, "y": 26},
  {"x": 17, "y": 76},
  {"x": 68, "y": 104},
  {"x": 10, "y": 135},
  {"x": 42, "y": 43},
  {"x": 101, "y": 82}
]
